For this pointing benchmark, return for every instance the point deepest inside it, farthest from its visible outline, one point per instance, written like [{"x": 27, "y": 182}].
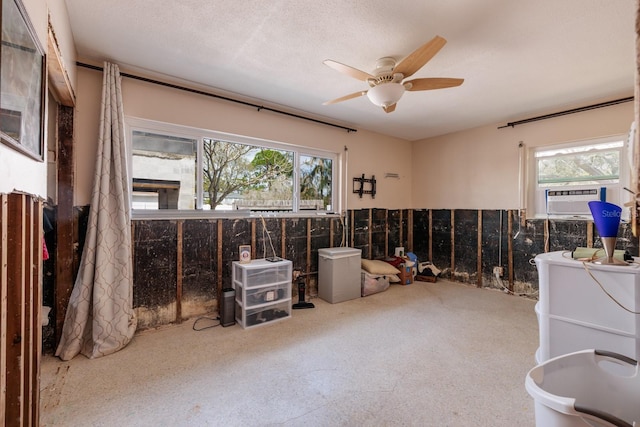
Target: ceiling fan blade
[
  {"x": 346, "y": 97},
  {"x": 350, "y": 71},
  {"x": 432, "y": 83},
  {"x": 390, "y": 108},
  {"x": 420, "y": 56}
]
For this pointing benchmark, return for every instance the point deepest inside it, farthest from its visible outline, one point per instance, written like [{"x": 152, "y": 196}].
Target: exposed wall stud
[
  {"x": 546, "y": 235},
  {"x": 308, "y": 269},
  {"x": 370, "y": 231},
  {"x": 65, "y": 217},
  {"x": 410, "y": 231},
  {"x": 510, "y": 247},
  {"x": 283, "y": 239},
  {"x": 331, "y": 232},
  {"x": 219, "y": 266},
  {"x": 253, "y": 238},
  {"x": 400, "y": 232},
  {"x": 352, "y": 228},
  {"x": 386, "y": 232},
  {"x": 4, "y": 221},
  {"x": 430, "y": 234},
  {"x": 179, "y": 272},
  {"x": 453, "y": 244},
  {"x": 479, "y": 249}
]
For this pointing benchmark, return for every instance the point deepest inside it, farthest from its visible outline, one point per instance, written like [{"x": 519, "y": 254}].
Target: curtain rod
[
  {"x": 224, "y": 98},
  {"x": 574, "y": 110}
]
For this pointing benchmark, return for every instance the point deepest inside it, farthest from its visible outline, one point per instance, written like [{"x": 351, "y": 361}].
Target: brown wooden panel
[
  {"x": 36, "y": 305},
  {"x": 3, "y": 304},
  {"x": 65, "y": 221},
  {"x": 20, "y": 278},
  {"x": 15, "y": 301},
  {"x": 28, "y": 313}
]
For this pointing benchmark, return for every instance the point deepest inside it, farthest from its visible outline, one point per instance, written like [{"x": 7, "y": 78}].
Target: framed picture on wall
[{"x": 22, "y": 78}]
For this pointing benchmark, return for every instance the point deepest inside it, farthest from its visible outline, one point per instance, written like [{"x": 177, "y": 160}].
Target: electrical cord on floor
[
  {"x": 206, "y": 327},
  {"x": 510, "y": 292}
]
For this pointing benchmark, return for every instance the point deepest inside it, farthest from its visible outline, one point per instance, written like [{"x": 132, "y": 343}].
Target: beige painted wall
[
  {"x": 474, "y": 169},
  {"x": 368, "y": 153},
  {"x": 479, "y": 168}
]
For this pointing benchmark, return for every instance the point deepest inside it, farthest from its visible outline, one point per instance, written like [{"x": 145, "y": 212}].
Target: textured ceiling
[{"x": 518, "y": 57}]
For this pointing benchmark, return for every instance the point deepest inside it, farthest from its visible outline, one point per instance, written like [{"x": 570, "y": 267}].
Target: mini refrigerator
[{"x": 339, "y": 274}]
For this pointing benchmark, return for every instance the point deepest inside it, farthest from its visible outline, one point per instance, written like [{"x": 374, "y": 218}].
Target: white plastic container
[
  {"x": 262, "y": 291},
  {"x": 339, "y": 274},
  {"x": 575, "y": 313},
  {"x": 588, "y": 387},
  {"x": 261, "y": 272}
]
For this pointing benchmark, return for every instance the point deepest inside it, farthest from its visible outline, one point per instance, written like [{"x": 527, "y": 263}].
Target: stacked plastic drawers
[
  {"x": 576, "y": 312},
  {"x": 263, "y": 291}
]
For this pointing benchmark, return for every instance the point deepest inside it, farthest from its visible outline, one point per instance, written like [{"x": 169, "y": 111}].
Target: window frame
[
  {"x": 616, "y": 192},
  {"x": 170, "y": 129}
]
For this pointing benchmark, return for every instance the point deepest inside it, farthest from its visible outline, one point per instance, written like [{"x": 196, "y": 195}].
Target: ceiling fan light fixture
[{"x": 385, "y": 94}]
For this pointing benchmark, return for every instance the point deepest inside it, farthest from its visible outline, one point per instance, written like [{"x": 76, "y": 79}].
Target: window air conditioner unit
[{"x": 573, "y": 202}]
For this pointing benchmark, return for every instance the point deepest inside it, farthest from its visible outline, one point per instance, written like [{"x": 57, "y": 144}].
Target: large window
[
  {"x": 173, "y": 167},
  {"x": 567, "y": 176},
  {"x": 579, "y": 165}
]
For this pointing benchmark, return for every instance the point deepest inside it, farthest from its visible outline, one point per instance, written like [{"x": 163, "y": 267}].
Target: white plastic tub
[{"x": 586, "y": 388}]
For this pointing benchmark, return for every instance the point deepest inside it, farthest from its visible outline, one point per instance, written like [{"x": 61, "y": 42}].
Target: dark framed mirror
[{"x": 22, "y": 78}]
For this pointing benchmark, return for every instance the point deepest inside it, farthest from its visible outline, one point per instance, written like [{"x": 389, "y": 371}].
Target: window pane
[
  {"x": 595, "y": 167},
  {"x": 163, "y": 170},
  {"x": 238, "y": 176},
  {"x": 315, "y": 183}
]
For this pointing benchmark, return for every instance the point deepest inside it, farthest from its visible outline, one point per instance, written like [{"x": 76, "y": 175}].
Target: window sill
[
  {"x": 570, "y": 218},
  {"x": 173, "y": 214}
]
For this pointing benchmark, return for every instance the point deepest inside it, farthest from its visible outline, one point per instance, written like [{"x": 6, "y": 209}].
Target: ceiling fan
[{"x": 387, "y": 85}]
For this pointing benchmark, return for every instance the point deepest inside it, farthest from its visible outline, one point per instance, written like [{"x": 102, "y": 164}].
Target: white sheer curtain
[{"x": 100, "y": 318}]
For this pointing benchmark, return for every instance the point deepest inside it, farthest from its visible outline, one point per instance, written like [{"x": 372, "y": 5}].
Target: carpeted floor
[{"x": 427, "y": 354}]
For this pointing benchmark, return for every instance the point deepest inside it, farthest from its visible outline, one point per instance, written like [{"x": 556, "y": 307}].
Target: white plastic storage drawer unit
[
  {"x": 339, "y": 274},
  {"x": 581, "y": 309},
  {"x": 263, "y": 291}
]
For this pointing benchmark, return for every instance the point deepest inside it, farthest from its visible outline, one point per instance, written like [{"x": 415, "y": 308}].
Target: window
[
  {"x": 316, "y": 176},
  {"x": 163, "y": 171},
  {"x": 173, "y": 167},
  {"x": 567, "y": 176},
  {"x": 585, "y": 164},
  {"x": 238, "y": 176}
]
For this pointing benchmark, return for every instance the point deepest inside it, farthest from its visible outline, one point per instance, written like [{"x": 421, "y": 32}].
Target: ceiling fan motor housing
[{"x": 385, "y": 94}]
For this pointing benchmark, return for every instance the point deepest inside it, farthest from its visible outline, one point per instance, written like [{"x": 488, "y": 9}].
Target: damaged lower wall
[{"x": 181, "y": 266}]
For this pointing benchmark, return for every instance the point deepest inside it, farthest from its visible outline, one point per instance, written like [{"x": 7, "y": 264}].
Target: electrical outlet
[{"x": 498, "y": 271}]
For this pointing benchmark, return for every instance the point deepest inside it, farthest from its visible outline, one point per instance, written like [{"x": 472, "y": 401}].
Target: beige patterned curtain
[{"x": 100, "y": 318}]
